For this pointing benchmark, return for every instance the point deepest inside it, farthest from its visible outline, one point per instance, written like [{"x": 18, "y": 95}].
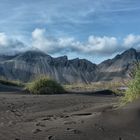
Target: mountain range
[{"x": 30, "y": 64}]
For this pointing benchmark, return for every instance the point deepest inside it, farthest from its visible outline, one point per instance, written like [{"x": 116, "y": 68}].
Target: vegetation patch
[
  {"x": 133, "y": 91},
  {"x": 44, "y": 85},
  {"x": 113, "y": 86}
]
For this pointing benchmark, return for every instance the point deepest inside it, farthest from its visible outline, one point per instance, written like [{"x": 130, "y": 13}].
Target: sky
[{"x": 91, "y": 29}]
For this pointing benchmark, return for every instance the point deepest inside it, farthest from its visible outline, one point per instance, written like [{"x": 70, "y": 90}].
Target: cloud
[
  {"x": 10, "y": 46},
  {"x": 51, "y": 44},
  {"x": 132, "y": 41},
  {"x": 3, "y": 40},
  {"x": 93, "y": 45},
  {"x": 101, "y": 44},
  {"x": 98, "y": 16}
]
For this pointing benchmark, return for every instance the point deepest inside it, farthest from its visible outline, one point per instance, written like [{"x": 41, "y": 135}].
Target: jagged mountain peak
[
  {"x": 65, "y": 58},
  {"x": 128, "y": 54},
  {"x": 26, "y": 65},
  {"x": 131, "y": 50},
  {"x": 32, "y": 55},
  {"x": 131, "y": 53},
  {"x": 119, "y": 66}
]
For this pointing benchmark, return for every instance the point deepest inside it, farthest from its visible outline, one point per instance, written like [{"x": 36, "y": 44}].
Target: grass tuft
[
  {"x": 44, "y": 85},
  {"x": 133, "y": 91}
]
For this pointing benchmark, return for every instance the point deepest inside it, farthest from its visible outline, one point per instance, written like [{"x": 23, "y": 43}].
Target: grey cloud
[
  {"x": 94, "y": 45},
  {"x": 10, "y": 46}
]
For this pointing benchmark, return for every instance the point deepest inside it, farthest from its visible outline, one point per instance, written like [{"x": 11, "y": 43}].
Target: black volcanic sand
[
  {"x": 5, "y": 89},
  {"x": 67, "y": 117}
]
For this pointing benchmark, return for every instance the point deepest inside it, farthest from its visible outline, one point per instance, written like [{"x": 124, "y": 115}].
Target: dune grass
[
  {"x": 44, "y": 85},
  {"x": 133, "y": 91},
  {"x": 113, "y": 86}
]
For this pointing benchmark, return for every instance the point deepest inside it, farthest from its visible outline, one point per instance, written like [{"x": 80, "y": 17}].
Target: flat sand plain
[{"x": 66, "y": 117}]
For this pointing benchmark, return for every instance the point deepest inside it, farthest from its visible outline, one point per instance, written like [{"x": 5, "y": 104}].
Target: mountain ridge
[{"x": 30, "y": 64}]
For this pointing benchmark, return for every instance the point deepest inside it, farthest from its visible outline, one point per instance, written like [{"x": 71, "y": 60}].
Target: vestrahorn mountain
[{"x": 28, "y": 65}]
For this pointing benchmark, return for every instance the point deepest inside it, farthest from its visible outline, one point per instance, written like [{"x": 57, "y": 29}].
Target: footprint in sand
[
  {"x": 82, "y": 114},
  {"x": 35, "y": 131},
  {"x": 51, "y": 138},
  {"x": 75, "y": 131},
  {"x": 69, "y": 122},
  {"x": 40, "y": 124}
]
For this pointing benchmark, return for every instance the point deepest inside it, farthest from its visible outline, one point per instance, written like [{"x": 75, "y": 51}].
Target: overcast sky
[{"x": 92, "y": 29}]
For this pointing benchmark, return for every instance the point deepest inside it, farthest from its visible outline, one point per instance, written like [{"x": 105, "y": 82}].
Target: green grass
[
  {"x": 44, "y": 85},
  {"x": 133, "y": 91}
]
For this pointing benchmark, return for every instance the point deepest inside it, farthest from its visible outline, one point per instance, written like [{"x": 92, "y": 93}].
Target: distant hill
[{"x": 27, "y": 65}]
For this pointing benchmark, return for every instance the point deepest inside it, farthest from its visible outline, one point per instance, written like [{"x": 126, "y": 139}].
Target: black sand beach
[{"x": 66, "y": 116}]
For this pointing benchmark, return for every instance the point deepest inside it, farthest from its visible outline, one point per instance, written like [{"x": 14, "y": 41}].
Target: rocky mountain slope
[
  {"x": 119, "y": 67},
  {"x": 26, "y": 66}
]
